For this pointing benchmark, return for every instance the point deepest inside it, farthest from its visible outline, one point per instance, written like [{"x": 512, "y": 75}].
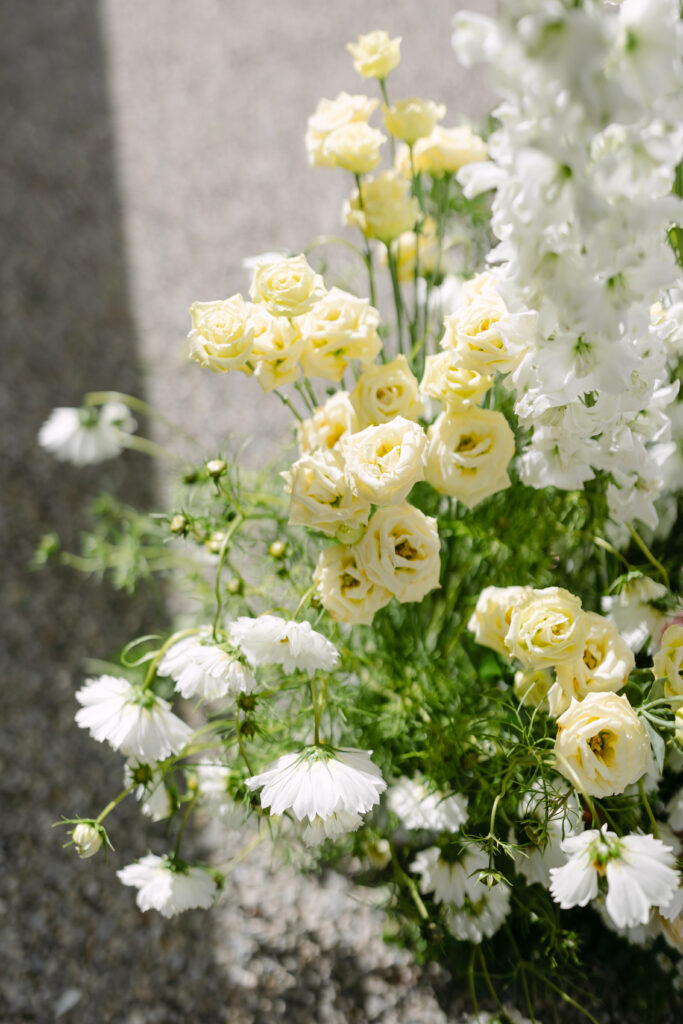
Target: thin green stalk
[
  {"x": 114, "y": 803},
  {"x": 316, "y": 712},
  {"x": 564, "y": 996},
  {"x": 151, "y": 671},
  {"x": 472, "y": 983},
  {"x": 368, "y": 250},
  {"x": 648, "y": 809},
  {"x": 137, "y": 405},
  {"x": 186, "y": 817},
  {"x": 487, "y": 976},
  {"x": 147, "y": 447},
  {"x": 304, "y": 394},
  {"x": 385, "y": 97},
  {"x": 650, "y": 557},
  {"x": 240, "y": 742},
  {"x": 286, "y": 401},
  {"x": 398, "y": 298},
  {"x": 409, "y": 883},
  {"x": 235, "y": 524},
  {"x": 304, "y": 600}
]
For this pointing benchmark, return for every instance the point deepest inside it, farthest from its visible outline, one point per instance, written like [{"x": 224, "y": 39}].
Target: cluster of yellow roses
[{"x": 575, "y": 661}]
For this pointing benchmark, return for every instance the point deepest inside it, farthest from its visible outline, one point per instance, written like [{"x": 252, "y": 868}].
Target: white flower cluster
[{"x": 583, "y": 166}]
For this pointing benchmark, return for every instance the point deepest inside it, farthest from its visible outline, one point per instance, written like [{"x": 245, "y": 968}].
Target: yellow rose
[
  {"x": 320, "y": 497},
  {"x": 532, "y": 685},
  {"x": 387, "y": 209},
  {"x": 453, "y": 385},
  {"x": 412, "y": 119},
  {"x": 402, "y": 552},
  {"x": 668, "y": 661},
  {"x": 490, "y": 620},
  {"x": 276, "y": 350},
  {"x": 604, "y": 664},
  {"x": 384, "y": 462},
  {"x": 385, "y": 390},
  {"x": 446, "y": 150},
  {"x": 413, "y": 250},
  {"x": 346, "y": 592},
  {"x": 328, "y": 424},
  {"x": 375, "y": 54},
  {"x": 287, "y": 287},
  {"x": 602, "y": 746},
  {"x": 340, "y": 327},
  {"x": 330, "y": 115},
  {"x": 547, "y": 627},
  {"x": 221, "y": 338},
  {"x": 468, "y": 454},
  {"x": 354, "y": 147},
  {"x": 482, "y": 334}
]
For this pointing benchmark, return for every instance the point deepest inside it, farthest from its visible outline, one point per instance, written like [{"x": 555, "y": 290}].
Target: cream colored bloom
[
  {"x": 668, "y": 661},
  {"x": 354, "y": 147},
  {"x": 604, "y": 664},
  {"x": 385, "y": 390},
  {"x": 320, "y": 496},
  {"x": 345, "y": 590},
  {"x": 532, "y": 685},
  {"x": 547, "y": 627},
  {"x": 340, "y": 327},
  {"x": 602, "y": 746},
  {"x": 328, "y": 117},
  {"x": 287, "y": 287},
  {"x": 452, "y": 384},
  {"x": 384, "y": 462},
  {"x": 482, "y": 334},
  {"x": 387, "y": 209},
  {"x": 490, "y": 620},
  {"x": 375, "y": 54},
  {"x": 468, "y": 454},
  {"x": 401, "y": 551},
  {"x": 446, "y": 150},
  {"x": 328, "y": 424},
  {"x": 415, "y": 251},
  {"x": 276, "y": 350},
  {"x": 412, "y": 119},
  {"x": 221, "y": 338}
]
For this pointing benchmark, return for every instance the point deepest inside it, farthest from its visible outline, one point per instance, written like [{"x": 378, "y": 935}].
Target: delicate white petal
[
  {"x": 270, "y": 640},
  {"x": 170, "y": 892}
]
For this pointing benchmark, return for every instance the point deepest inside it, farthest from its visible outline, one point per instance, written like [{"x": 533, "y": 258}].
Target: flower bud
[
  {"x": 235, "y": 586},
  {"x": 87, "y": 839},
  {"x": 214, "y": 542},
  {"x": 179, "y": 524},
  {"x": 277, "y": 549},
  {"x": 216, "y": 467},
  {"x": 349, "y": 534}
]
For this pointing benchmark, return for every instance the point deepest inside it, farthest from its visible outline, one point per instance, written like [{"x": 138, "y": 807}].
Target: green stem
[
  {"x": 286, "y": 401},
  {"x": 151, "y": 671},
  {"x": 648, "y": 809},
  {"x": 650, "y": 557},
  {"x": 235, "y": 524},
  {"x": 316, "y": 712},
  {"x": 147, "y": 447},
  {"x": 114, "y": 803},
  {"x": 240, "y": 742},
  {"x": 487, "y": 976},
  {"x": 564, "y": 996},
  {"x": 304, "y": 394},
  {"x": 398, "y": 298},
  {"x": 385, "y": 97},
  {"x": 304, "y": 600},
  {"x": 472, "y": 983},
  {"x": 138, "y": 405},
  {"x": 186, "y": 818},
  {"x": 368, "y": 250},
  {"x": 409, "y": 883}
]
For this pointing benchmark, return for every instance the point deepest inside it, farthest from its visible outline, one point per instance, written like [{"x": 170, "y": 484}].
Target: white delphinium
[
  {"x": 86, "y": 435},
  {"x": 270, "y": 640},
  {"x": 168, "y": 888},
  {"x": 212, "y": 782},
  {"x": 536, "y": 862},
  {"x": 201, "y": 668},
  {"x": 418, "y": 808},
  {"x": 150, "y": 789},
  {"x": 131, "y": 719},
  {"x": 640, "y": 872},
  {"x": 328, "y": 788}
]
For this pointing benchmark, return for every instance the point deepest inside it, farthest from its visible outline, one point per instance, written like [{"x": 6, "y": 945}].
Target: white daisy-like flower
[
  {"x": 166, "y": 888},
  {"x": 447, "y": 880},
  {"x": 535, "y": 862},
  {"x": 482, "y": 914},
  {"x": 130, "y": 719},
  {"x": 87, "y": 435},
  {"x": 270, "y": 640},
  {"x": 203, "y": 669},
  {"x": 337, "y": 824},
  {"x": 318, "y": 782},
  {"x": 212, "y": 780},
  {"x": 417, "y": 808},
  {"x": 640, "y": 872},
  {"x": 155, "y": 799}
]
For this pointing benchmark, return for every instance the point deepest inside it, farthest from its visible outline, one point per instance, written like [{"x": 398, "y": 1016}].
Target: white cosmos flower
[
  {"x": 535, "y": 862},
  {"x": 417, "y": 808},
  {"x": 337, "y": 824},
  {"x": 448, "y": 880},
  {"x": 203, "y": 669},
  {"x": 168, "y": 890},
  {"x": 87, "y": 435},
  {"x": 132, "y": 720},
  {"x": 318, "y": 782},
  {"x": 212, "y": 780},
  {"x": 482, "y": 915},
  {"x": 270, "y": 640},
  {"x": 639, "y": 870},
  {"x": 155, "y": 799},
  {"x": 473, "y": 910}
]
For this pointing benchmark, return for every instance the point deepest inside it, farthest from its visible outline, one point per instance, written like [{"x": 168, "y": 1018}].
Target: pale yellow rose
[
  {"x": 337, "y": 329},
  {"x": 668, "y": 661},
  {"x": 221, "y": 338},
  {"x": 387, "y": 209},
  {"x": 384, "y": 462},
  {"x": 346, "y": 592},
  {"x": 287, "y": 287},
  {"x": 415, "y": 251},
  {"x": 276, "y": 350},
  {"x": 490, "y": 620},
  {"x": 402, "y": 552},
  {"x": 481, "y": 333},
  {"x": 547, "y": 627},
  {"x": 453, "y": 385},
  {"x": 532, "y": 685},
  {"x": 354, "y": 147},
  {"x": 330, "y": 115},
  {"x": 602, "y": 746},
  {"x": 468, "y": 454},
  {"x": 328, "y": 423},
  {"x": 375, "y": 54},
  {"x": 385, "y": 390},
  {"x": 320, "y": 496},
  {"x": 412, "y": 119},
  {"x": 604, "y": 664},
  {"x": 446, "y": 150}
]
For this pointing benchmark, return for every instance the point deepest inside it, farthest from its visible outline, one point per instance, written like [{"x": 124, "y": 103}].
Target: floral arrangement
[{"x": 444, "y": 652}]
